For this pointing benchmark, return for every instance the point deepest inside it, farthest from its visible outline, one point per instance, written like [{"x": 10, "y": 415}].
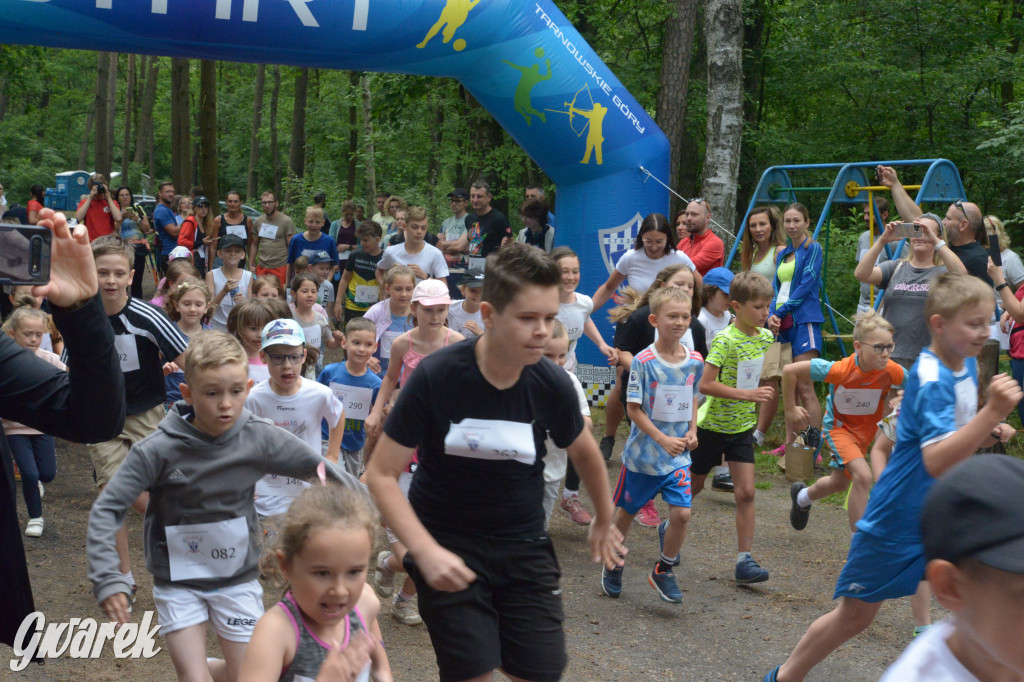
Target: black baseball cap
[
  {"x": 976, "y": 510},
  {"x": 230, "y": 240},
  {"x": 458, "y": 193},
  {"x": 473, "y": 279},
  {"x": 202, "y": 201}
]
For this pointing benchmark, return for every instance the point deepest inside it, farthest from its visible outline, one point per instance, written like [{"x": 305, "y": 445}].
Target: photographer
[
  {"x": 84, "y": 404},
  {"x": 98, "y": 211}
]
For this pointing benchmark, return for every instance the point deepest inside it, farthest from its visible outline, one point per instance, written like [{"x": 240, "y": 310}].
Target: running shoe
[
  {"x": 919, "y": 629},
  {"x": 773, "y": 676},
  {"x": 573, "y": 506},
  {"x": 648, "y": 515},
  {"x": 777, "y": 452},
  {"x": 749, "y": 571},
  {"x": 665, "y": 585},
  {"x": 798, "y": 515},
  {"x": 607, "y": 445},
  {"x": 723, "y": 483},
  {"x": 34, "y": 529},
  {"x": 383, "y": 578},
  {"x": 406, "y": 611},
  {"x": 611, "y": 582},
  {"x": 662, "y": 528}
]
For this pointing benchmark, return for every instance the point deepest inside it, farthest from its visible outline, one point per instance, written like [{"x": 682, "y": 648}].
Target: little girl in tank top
[{"x": 326, "y": 622}]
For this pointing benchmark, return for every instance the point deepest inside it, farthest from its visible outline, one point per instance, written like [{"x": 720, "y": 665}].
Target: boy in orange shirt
[{"x": 858, "y": 393}]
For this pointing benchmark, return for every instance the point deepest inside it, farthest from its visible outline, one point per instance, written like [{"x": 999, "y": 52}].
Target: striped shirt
[
  {"x": 141, "y": 333},
  {"x": 728, "y": 350}
]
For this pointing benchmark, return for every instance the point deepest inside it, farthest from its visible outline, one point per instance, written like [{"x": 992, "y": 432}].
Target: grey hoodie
[{"x": 193, "y": 477}]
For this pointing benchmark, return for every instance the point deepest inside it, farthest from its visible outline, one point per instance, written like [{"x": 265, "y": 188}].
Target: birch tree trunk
[
  {"x": 723, "y": 23},
  {"x": 675, "y": 80},
  {"x": 254, "y": 142}
]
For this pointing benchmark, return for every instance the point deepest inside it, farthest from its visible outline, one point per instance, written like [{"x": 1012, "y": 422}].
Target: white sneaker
[
  {"x": 42, "y": 491},
  {"x": 406, "y": 611},
  {"x": 34, "y": 529}
]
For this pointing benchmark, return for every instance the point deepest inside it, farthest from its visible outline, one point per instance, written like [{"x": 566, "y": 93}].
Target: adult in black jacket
[{"x": 84, "y": 404}]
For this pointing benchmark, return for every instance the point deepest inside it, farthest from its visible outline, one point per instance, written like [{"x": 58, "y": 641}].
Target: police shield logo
[{"x": 616, "y": 241}]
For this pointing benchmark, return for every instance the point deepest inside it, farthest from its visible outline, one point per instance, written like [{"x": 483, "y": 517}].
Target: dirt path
[{"x": 720, "y": 632}]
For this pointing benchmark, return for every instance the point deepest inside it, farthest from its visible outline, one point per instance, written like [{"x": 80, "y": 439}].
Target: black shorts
[
  {"x": 510, "y": 617},
  {"x": 711, "y": 445}
]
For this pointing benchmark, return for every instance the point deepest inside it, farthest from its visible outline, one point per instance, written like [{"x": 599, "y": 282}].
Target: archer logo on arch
[
  {"x": 592, "y": 122},
  {"x": 616, "y": 241}
]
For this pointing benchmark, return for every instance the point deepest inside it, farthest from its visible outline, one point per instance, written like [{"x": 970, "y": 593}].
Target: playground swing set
[{"x": 941, "y": 184}]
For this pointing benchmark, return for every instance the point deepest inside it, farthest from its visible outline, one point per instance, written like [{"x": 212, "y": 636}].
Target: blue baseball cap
[
  {"x": 719, "y": 277},
  {"x": 320, "y": 257},
  {"x": 282, "y": 332}
]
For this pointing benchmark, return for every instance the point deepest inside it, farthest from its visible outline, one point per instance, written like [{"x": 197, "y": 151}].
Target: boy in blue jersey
[
  {"x": 354, "y": 386},
  {"x": 660, "y": 402},
  {"x": 939, "y": 426}
]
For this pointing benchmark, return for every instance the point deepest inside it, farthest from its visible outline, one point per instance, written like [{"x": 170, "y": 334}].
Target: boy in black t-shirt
[
  {"x": 474, "y": 522},
  {"x": 142, "y": 333}
]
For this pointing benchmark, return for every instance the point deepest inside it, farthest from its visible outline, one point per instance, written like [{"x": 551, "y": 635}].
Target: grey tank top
[{"x": 310, "y": 651}]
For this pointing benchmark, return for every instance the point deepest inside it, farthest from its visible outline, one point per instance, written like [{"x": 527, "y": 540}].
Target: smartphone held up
[{"x": 24, "y": 254}]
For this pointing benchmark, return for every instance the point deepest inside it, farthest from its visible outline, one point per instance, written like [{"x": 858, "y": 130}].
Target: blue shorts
[
  {"x": 878, "y": 569},
  {"x": 635, "y": 490},
  {"x": 803, "y": 338}
]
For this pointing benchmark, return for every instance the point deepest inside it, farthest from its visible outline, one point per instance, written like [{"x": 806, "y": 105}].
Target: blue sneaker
[
  {"x": 662, "y": 528},
  {"x": 611, "y": 582},
  {"x": 665, "y": 585},
  {"x": 773, "y": 676},
  {"x": 749, "y": 571}
]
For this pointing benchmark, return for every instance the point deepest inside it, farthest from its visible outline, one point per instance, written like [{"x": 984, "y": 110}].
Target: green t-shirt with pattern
[{"x": 730, "y": 347}]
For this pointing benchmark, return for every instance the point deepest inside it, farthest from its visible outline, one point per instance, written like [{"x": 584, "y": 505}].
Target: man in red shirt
[
  {"x": 98, "y": 211},
  {"x": 702, "y": 245}
]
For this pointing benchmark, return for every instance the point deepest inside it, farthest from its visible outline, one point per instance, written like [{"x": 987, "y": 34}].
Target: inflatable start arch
[{"x": 522, "y": 60}]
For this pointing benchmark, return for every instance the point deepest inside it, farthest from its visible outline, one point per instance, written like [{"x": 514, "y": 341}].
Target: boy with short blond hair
[
  {"x": 940, "y": 425},
  {"x": 731, "y": 382},
  {"x": 311, "y": 241},
  {"x": 426, "y": 261},
  {"x": 661, "y": 402},
  {"x": 202, "y": 535}
]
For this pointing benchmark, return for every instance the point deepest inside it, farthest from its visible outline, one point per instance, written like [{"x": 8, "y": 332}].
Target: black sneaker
[
  {"x": 607, "y": 445},
  {"x": 723, "y": 483},
  {"x": 798, "y": 515}
]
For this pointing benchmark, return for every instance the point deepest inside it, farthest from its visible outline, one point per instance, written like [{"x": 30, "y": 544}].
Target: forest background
[{"x": 807, "y": 81}]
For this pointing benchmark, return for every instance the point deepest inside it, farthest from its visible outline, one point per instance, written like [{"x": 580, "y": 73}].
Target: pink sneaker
[
  {"x": 575, "y": 509},
  {"x": 777, "y": 452},
  {"x": 648, "y": 515}
]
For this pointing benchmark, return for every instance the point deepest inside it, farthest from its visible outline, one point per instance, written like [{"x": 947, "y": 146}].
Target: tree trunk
[
  {"x": 353, "y": 133},
  {"x": 723, "y": 23},
  {"x": 675, "y": 79},
  {"x": 181, "y": 144},
  {"x": 275, "y": 153},
  {"x": 371, "y": 170},
  {"x": 102, "y": 147},
  {"x": 143, "y": 130},
  {"x": 3, "y": 97},
  {"x": 297, "y": 155},
  {"x": 129, "y": 107},
  {"x": 434, "y": 163},
  {"x": 111, "y": 108},
  {"x": 208, "y": 133},
  {"x": 756, "y": 34},
  {"x": 254, "y": 141}
]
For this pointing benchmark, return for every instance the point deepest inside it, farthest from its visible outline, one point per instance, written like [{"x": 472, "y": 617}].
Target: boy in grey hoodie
[{"x": 202, "y": 535}]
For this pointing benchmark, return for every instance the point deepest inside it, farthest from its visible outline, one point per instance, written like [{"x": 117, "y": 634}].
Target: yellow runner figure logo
[
  {"x": 531, "y": 75},
  {"x": 453, "y": 16},
  {"x": 595, "y": 121}
]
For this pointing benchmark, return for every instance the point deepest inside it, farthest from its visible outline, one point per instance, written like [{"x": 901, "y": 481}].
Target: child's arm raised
[
  {"x": 270, "y": 649},
  {"x": 797, "y": 417},
  {"x": 387, "y": 388},
  {"x": 711, "y": 386},
  {"x": 443, "y": 570},
  {"x": 1003, "y": 395}
]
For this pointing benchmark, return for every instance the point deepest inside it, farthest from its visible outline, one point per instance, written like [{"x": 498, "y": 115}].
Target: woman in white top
[
  {"x": 653, "y": 251},
  {"x": 1013, "y": 269}
]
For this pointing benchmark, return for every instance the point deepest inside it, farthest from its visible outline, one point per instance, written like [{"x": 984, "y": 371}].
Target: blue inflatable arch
[{"x": 522, "y": 60}]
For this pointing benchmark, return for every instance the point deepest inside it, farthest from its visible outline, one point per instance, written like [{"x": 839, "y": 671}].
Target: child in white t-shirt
[
  {"x": 714, "y": 313},
  {"x": 323, "y": 267},
  {"x": 295, "y": 405},
  {"x": 574, "y": 309},
  {"x": 464, "y": 316}
]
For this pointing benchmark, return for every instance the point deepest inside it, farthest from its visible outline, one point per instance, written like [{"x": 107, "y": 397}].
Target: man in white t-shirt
[{"x": 426, "y": 261}]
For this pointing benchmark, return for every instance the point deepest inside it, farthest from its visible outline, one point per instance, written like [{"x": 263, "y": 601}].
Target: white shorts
[
  {"x": 404, "y": 481},
  {"x": 232, "y": 611}
]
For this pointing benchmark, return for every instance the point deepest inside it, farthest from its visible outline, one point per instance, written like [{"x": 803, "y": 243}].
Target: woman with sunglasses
[{"x": 906, "y": 283}]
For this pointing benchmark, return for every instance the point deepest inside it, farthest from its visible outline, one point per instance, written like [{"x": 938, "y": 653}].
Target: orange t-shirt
[{"x": 856, "y": 399}]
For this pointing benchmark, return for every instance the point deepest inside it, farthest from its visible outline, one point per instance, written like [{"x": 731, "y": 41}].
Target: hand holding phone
[
  {"x": 908, "y": 230},
  {"x": 24, "y": 254}
]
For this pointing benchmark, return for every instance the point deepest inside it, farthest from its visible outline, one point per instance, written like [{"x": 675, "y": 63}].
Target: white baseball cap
[
  {"x": 282, "y": 332},
  {"x": 431, "y": 292}
]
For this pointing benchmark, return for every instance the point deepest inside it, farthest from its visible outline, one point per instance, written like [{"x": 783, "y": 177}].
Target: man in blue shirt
[{"x": 167, "y": 227}]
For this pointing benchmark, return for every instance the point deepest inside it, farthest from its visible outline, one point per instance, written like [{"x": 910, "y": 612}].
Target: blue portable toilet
[{"x": 73, "y": 184}]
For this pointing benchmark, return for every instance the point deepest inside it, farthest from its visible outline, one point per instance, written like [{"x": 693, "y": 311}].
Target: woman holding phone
[{"x": 134, "y": 227}]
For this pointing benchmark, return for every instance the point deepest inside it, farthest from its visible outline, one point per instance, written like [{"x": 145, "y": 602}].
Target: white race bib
[
  {"x": 268, "y": 231},
  {"x": 492, "y": 439},
  {"x": 357, "y": 400},
  {"x": 673, "y": 403},
  {"x": 127, "y": 352},
  {"x": 386, "y": 340},
  {"x": 273, "y": 485},
  {"x": 856, "y": 401},
  {"x": 367, "y": 294},
  {"x": 748, "y": 373},
  {"x": 783, "y": 296},
  {"x": 313, "y": 335},
  {"x": 475, "y": 262},
  {"x": 343, "y": 255},
  {"x": 238, "y": 230},
  {"x": 966, "y": 402},
  {"x": 207, "y": 550}
]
